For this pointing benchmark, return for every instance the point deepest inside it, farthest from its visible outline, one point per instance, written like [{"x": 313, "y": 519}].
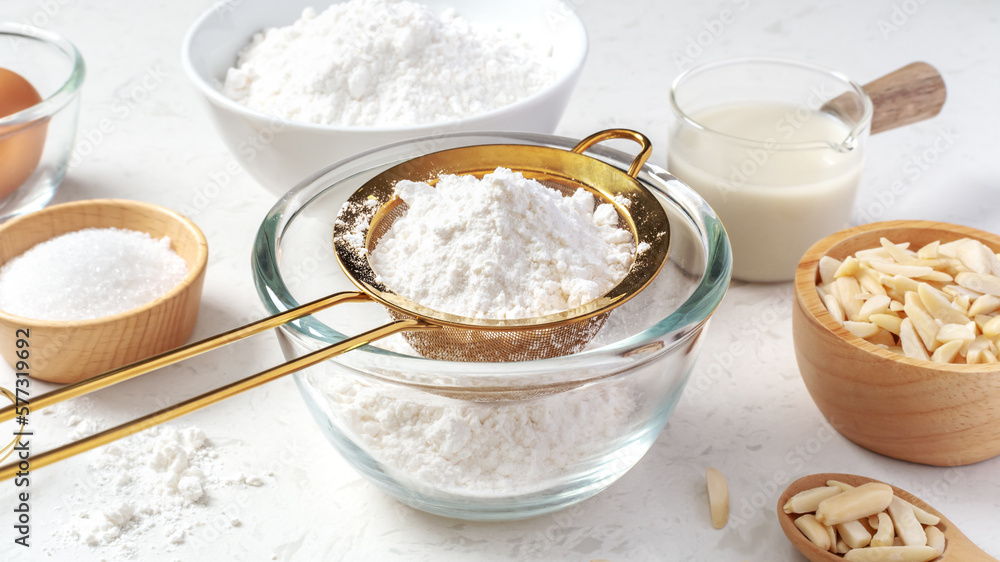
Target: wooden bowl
[
  {"x": 909, "y": 409},
  {"x": 69, "y": 351}
]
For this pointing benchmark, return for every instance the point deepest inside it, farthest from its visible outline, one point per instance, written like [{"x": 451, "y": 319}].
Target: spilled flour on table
[{"x": 157, "y": 482}]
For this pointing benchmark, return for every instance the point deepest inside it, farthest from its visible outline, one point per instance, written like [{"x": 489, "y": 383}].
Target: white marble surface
[{"x": 746, "y": 413}]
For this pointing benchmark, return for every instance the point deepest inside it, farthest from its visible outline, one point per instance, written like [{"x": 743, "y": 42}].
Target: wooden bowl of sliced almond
[{"x": 897, "y": 329}]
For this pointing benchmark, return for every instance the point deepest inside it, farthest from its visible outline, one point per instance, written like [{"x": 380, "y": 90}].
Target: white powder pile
[
  {"x": 480, "y": 449},
  {"x": 501, "y": 247},
  {"x": 89, "y": 273},
  {"x": 157, "y": 482},
  {"x": 162, "y": 470},
  {"x": 383, "y": 62}
]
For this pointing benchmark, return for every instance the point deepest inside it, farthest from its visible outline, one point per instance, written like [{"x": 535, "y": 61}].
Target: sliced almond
[
  {"x": 950, "y": 249},
  {"x": 937, "y": 276},
  {"x": 938, "y": 305},
  {"x": 814, "y": 531},
  {"x": 718, "y": 497},
  {"x": 837, "y": 483},
  {"x": 955, "y": 332},
  {"x": 922, "y": 515},
  {"x": 922, "y": 321},
  {"x": 986, "y": 284},
  {"x": 962, "y": 303},
  {"x": 873, "y": 254},
  {"x": 889, "y": 322},
  {"x": 828, "y": 268},
  {"x": 906, "y": 524},
  {"x": 898, "y": 253},
  {"x": 808, "y": 500},
  {"x": 863, "y": 330},
  {"x": 870, "y": 280},
  {"x": 929, "y": 251},
  {"x": 892, "y": 554},
  {"x": 854, "y": 534},
  {"x": 834, "y": 308},
  {"x": 985, "y": 304},
  {"x": 908, "y": 338},
  {"x": 890, "y": 268},
  {"x": 877, "y": 304},
  {"x": 885, "y": 533},
  {"x": 862, "y": 501},
  {"x": 947, "y": 352},
  {"x": 901, "y": 284},
  {"x": 991, "y": 328},
  {"x": 935, "y": 538},
  {"x": 848, "y": 267},
  {"x": 955, "y": 290},
  {"x": 976, "y": 256},
  {"x": 847, "y": 290}
]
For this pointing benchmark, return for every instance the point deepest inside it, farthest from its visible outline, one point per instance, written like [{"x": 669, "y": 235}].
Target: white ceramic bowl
[{"x": 279, "y": 153}]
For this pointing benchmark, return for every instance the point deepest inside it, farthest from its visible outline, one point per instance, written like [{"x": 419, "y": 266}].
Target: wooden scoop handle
[{"x": 912, "y": 93}]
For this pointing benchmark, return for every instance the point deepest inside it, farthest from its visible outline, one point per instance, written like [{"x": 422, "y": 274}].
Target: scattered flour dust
[
  {"x": 385, "y": 62},
  {"x": 501, "y": 247},
  {"x": 159, "y": 481}
]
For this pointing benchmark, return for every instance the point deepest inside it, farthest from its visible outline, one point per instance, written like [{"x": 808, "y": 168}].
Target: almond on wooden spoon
[{"x": 958, "y": 547}]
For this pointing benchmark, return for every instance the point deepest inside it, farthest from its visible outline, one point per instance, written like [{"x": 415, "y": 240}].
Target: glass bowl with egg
[
  {"x": 532, "y": 436},
  {"x": 40, "y": 78}
]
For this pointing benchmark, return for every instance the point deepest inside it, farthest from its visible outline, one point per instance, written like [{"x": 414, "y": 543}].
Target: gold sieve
[
  {"x": 373, "y": 209},
  {"x": 434, "y": 334}
]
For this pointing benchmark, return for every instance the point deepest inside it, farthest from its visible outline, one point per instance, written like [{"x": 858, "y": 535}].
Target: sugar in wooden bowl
[{"x": 94, "y": 285}]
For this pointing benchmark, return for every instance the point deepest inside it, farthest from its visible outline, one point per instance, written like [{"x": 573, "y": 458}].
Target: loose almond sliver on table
[{"x": 919, "y": 303}]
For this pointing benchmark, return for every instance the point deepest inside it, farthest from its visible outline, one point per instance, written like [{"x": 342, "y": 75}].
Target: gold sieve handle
[
  {"x": 211, "y": 397},
  {"x": 608, "y": 134}
]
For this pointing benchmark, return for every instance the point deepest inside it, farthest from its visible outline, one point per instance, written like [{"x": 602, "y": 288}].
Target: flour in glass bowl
[
  {"x": 480, "y": 449},
  {"x": 385, "y": 63}
]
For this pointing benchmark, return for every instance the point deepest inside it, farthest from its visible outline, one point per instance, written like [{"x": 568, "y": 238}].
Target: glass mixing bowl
[{"x": 526, "y": 438}]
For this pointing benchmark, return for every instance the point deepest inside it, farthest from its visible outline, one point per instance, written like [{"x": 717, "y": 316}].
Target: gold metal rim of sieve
[{"x": 642, "y": 216}]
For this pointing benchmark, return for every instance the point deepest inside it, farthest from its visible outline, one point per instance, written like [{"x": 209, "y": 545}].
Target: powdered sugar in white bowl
[{"x": 280, "y": 152}]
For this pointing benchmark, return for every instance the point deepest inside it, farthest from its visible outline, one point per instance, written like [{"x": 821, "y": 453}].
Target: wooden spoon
[
  {"x": 907, "y": 95},
  {"x": 958, "y": 547}
]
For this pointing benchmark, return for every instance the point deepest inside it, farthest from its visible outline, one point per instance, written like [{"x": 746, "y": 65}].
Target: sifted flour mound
[
  {"x": 383, "y": 62},
  {"x": 501, "y": 247}
]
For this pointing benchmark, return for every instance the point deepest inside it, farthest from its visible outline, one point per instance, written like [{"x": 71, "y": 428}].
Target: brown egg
[{"x": 20, "y": 145}]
